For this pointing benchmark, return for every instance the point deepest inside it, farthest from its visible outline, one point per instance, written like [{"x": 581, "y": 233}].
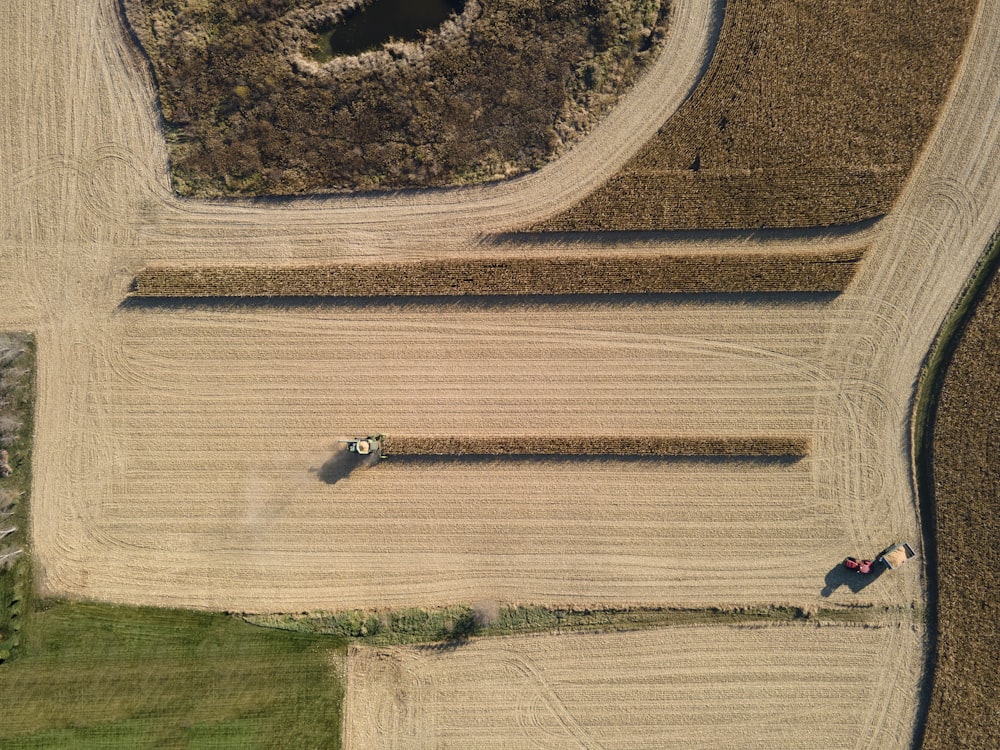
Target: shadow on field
[
  {"x": 841, "y": 576},
  {"x": 589, "y": 458},
  {"x": 341, "y": 464},
  {"x": 474, "y": 303},
  {"x": 615, "y": 239}
]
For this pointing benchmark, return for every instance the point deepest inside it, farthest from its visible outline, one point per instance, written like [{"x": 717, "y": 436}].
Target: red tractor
[
  {"x": 891, "y": 557},
  {"x": 859, "y": 566}
]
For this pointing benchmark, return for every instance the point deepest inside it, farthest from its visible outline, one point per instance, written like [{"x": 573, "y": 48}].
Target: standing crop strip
[{"x": 653, "y": 274}]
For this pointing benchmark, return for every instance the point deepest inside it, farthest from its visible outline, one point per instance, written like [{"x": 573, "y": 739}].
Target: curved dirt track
[{"x": 412, "y": 220}]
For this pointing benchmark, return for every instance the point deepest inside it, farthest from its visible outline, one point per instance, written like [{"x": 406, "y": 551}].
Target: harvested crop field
[
  {"x": 221, "y": 484},
  {"x": 179, "y": 447},
  {"x": 687, "y": 687},
  {"x": 634, "y": 274},
  {"x": 175, "y": 443},
  {"x": 966, "y": 498},
  {"x": 811, "y": 113}
]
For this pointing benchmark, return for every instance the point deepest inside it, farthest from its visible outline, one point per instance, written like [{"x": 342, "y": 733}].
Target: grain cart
[{"x": 896, "y": 554}]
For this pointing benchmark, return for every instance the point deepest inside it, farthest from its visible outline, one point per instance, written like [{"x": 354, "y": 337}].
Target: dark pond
[{"x": 381, "y": 21}]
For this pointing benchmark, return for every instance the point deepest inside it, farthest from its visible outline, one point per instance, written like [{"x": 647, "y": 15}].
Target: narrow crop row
[
  {"x": 649, "y": 274},
  {"x": 597, "y": 445}
]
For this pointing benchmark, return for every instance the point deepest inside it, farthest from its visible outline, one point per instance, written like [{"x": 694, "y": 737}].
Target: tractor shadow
[
  {"x": 342, "y": 464},
  {"x": 841, "y": 576}
]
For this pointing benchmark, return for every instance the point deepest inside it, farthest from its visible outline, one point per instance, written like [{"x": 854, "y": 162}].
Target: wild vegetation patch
[
  {"x": 965, "y": 486},
  {"x": 17, "y": 370},
  {"x": 444, "y": 624},
  {"x": 812, "y": 112},
  {"x": 493, "y": 92},
  {"x": 667, "y": 273}
]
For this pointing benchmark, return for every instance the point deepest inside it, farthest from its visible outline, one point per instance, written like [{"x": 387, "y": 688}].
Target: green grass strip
[{"x": 451, "y": 624}]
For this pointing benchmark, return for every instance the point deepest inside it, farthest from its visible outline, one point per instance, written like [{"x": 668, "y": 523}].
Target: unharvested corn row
[
  {"x": 646, "y": 274},
  {"x": 597, "y": 445}
]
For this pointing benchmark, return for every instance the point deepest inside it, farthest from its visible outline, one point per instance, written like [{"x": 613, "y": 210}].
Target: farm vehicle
[
  {"x": 891, "y": 558},
  {"x": 366, "y": 446}
]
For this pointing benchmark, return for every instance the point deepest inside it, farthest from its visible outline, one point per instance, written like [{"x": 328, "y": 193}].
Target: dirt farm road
[{"x": 178, "y": 449}]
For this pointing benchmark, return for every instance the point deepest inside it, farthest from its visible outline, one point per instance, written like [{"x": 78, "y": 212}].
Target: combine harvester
[
  {"x": 366, "y": 446},
  {"x": 891, "y": 557}
]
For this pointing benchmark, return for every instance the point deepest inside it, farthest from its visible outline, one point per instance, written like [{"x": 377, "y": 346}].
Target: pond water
[{"x": 381, "y": 21}]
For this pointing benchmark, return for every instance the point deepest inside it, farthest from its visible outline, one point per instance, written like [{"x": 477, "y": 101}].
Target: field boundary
[
  {"x": 662, "y": 273},
  {"x": 923, "y": 416},
  {"x": 449, "y": 626}
]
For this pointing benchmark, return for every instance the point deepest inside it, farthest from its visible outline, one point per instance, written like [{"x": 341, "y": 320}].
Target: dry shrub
[
  {"x": 812, "y": 112},
  {"x": 494, "y": 94},
  {"x": 665, "y": 273},
  {"x": 596, "y": 445},
  {"x": 485, "y": 613},
  {"x": 9, "y": 428}
]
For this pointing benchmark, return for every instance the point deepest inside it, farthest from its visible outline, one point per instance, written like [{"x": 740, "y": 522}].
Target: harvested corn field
[
  {"x": 811, "y": 113},
  {"x": 210, "y": 481},
  {"x": 596, "y": 445},
  {"x": 637, "y": 274},
  {"x": 794, "y": 687},
  {"x": 966, "y": 499}
]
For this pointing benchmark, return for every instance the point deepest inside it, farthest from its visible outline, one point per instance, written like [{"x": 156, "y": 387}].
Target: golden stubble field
[
  {"x": 711, "y": 688},
  {"x": 178, "y": 448}
]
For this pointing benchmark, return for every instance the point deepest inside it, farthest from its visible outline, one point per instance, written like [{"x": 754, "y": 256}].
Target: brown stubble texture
[
  {"x": 596, "y": 445},
  {"x": 811, "y": 114}
]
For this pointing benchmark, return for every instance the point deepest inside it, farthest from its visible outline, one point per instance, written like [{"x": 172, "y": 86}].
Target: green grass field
[{"x": 92, "y": 675}]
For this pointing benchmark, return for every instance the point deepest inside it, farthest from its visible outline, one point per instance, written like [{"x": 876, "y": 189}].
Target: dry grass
[
  {"x": 596, "y": 445},
  {"x": 665, "y": 273},
  {"x": 966, "y": 481},
  {"x": 811, "y": 113}
]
